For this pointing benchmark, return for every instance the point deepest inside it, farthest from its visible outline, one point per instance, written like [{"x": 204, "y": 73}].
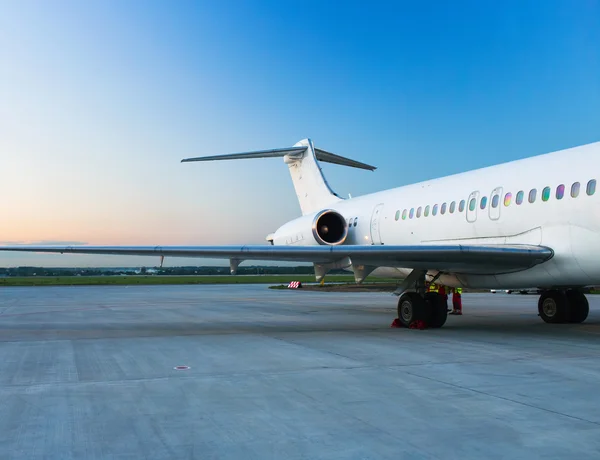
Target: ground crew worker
[
  {"x": 432, "y": 288},
  {"x": 442, "y": 293},
  {"x": 456, "y": 302}
]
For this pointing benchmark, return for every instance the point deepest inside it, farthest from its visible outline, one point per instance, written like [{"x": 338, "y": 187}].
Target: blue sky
[{"x": 101, "y": 100}]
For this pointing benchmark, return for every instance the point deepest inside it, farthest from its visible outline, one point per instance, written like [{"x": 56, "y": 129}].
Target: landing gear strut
[{"x": 559, "y": 306}]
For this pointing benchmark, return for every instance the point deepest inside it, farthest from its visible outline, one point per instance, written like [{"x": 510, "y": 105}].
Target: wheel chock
[{"x": 414, "y": 325}]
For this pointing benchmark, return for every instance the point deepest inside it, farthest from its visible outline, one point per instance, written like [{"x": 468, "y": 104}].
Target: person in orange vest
[{"x": 456, "y": 301}]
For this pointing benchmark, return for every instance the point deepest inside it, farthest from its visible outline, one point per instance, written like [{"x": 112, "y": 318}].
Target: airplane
[{"x": 533, "y": 222}]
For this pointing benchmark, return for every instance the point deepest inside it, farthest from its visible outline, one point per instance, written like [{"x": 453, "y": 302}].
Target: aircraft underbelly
[{"x": 584, "y": 257}]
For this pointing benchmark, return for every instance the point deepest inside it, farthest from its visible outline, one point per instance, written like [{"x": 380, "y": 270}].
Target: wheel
[
  {"x": 553, "y": 306},
  {"x": 579, "y": 307},
  {"x": 439, "y": 309},
  {"x": 412, "y": 307}
]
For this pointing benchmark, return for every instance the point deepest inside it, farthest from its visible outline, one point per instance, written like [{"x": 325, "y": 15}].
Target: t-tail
[{"x": 311, "y": 187}]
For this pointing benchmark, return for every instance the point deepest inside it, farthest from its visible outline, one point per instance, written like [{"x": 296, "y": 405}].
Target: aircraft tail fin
[{"x": 311, "y": 187}]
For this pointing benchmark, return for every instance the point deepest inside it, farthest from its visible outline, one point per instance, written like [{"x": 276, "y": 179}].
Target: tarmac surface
[{"x": 89, "y": 372}]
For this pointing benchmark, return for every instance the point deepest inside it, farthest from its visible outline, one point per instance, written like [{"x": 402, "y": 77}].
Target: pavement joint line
[
  {"x": 192, "y": 376},
  {"x": 311, "y": 348},
  {"x": 503, "y": 398},
  {"x": 475, "y": 361},
  {"x": 392, "y": 436}
]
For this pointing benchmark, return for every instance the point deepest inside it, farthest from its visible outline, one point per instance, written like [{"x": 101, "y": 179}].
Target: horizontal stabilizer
[
  {"x": 247, "y": 155},
  {"x": 328, "y": 157},
  {"x": 321, "y": 155}
]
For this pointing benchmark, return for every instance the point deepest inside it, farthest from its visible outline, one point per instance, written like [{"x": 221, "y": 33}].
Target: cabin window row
[{"x": 520, "y": 196}]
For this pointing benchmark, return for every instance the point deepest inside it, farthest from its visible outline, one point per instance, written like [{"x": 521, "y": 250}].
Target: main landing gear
[
  {"x": 563, "y": 306},
  {"x": 429, "y": 308}
]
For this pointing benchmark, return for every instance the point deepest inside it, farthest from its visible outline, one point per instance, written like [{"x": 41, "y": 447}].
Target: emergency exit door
[
  {"x": 496, "y": 203},
  {"x": 472, "y": 203},
  {"x": 375, "y": 224}
]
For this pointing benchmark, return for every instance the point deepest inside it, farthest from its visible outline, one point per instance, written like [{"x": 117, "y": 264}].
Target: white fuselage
[{"x": 569, "y": 226}]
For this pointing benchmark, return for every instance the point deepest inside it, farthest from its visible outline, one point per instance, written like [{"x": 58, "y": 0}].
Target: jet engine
[
  {"x": 326, "y": 227},
  {"x": 329, "y": 227}
]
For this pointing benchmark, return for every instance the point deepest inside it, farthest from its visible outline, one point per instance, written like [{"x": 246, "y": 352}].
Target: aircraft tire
[
  {"x": 439, "y": 310},
  {"x": 579, "y": 307},
  {"x": 553, "y": 306},
  {"x": 412, "y": 307}
]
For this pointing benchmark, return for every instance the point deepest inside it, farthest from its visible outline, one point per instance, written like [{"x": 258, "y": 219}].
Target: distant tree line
[{"x": 201, "y": 270}]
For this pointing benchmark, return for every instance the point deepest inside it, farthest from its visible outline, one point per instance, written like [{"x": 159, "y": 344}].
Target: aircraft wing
[{"x": 482, "y": 259}]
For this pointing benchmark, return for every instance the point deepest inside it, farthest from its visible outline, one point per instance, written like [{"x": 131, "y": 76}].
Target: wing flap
[{"x": 488, "y": 259}]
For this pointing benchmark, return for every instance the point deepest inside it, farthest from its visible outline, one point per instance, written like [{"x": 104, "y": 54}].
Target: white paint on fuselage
[{"x": 570, "y": 226}]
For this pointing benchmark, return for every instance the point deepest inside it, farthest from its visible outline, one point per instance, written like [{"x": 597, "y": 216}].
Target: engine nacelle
[
  {"x": 330, "y": 227},
  {"x": 327, "y": 227}
]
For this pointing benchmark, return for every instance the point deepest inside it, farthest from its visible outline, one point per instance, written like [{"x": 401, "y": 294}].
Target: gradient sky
[{"x": 100, "y": 100}]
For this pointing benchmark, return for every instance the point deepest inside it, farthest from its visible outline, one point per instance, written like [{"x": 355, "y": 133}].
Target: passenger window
[
  {"x": 412, "y": 213},
  {"x": 452, "y": 207},
  {"x": 426, "y": 210},
  {"x": 560, "y": 192},
  {"x": 435, "y": 209},
  {"x": 483, "y": 202},
  {"x": 520, "y": 197},
  {"x": 495, "y": 201},
  {"x": 507, "y": 199},
  {"x": 472, "y": 204},
  {"x": 461, "y": 206},
  {"x": 397, "y": 215},
  {"x": 443, "y": 209},
  {"x": 591, "y": 187},
  {"x": 532, "y": 194},
  {"x": 546, "y": 194},
  {"x": 575, "y": 190},
  {"x": 404, "y": 214},
  {"x": 419, "y": 211}
]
